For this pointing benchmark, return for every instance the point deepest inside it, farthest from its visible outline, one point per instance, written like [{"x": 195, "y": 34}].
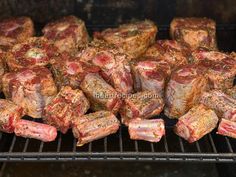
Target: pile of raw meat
[{"x": 124, "y": 75}]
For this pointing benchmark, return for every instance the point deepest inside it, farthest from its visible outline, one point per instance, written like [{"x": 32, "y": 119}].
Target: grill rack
[{"x": 117, "y": 147}]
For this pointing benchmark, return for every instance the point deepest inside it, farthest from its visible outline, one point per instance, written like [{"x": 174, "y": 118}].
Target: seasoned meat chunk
[
  {"x": 30, "y": 88},
  {"x": 36, "y": 51},
  {"x": 30, "y": 129},
  {"x": 198, "y": 121},
  {"x": 143, "y": 105},
  {"x": 94, "y": 126},
  {"x": 222, "y": 104},
  {"x": 231, "y": 92},
  {"x": 147, "y": 130},
  {"x": 68, "y": 33},
  {"x": 3, "y": 67},
  {"x": 70, "y": 71},
  {"x": 134, "y": 38},
  {"x": 194, "y": 32},
  {"x": 150, "y": 74},
  {"x": 220, "y": 68},
  {"x": 15, "y": 30},
  {"x": 10, "y": 113},
  {"x": 101, "y": 95},
  {"x": 184, "y": 89},
  {"x": 227, "y": 128},
  {"x": 68, "y": 105},
  {"x": 170, "y": 51},
  {"x": 113, "y": 63}
]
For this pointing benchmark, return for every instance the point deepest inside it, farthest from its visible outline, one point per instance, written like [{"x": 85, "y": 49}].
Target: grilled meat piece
[
  {"x": 31, "y": 89},
  {"x": 113, "y": 63},
  {"x": 143, "y": 105},
  {"x": 15, "y": 30},
  {"x": 194, "y": 32},
  {"x": 94, "y": 126},
  {"x": 150, "y": 74},
  {"x": 10, "y": 113},
  {"x": 231, "y": 92},
  {"x": 30, "y": 129},
  {"x": 68, "y": 105},
  {"x": 184, "y": 89},
  {"x": 101, "y": 95},
  {"x": 198, "y": 121},
  {"x": 70, "y": 71},
  {"x": 68, "y": 33},
  {"x": 170, "y": 51},
  {"x": 147, "y": 130},
  {"x": 219, "y": 67},
  {"x": 227, "y": 128},
  {"x": 133, "y": 38},
  {"x": 36, "y": 51},
  {"x": 222, "y": 104}
]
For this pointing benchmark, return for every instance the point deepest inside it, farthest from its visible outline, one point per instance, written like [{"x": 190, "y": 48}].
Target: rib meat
[
  {"x": 15, "y": 30},
  {"x": 198, "y": 121},
  {"x": 70, "y": 71},
  {"x": 222, "y": 104},
  {"x": 194, "y": 32},
  {"x": 143, "y": 105},
  {"x": 94, "y": 126},
  {"x": 10, "y": 113},
  {"x": 227, "y": 128},
  {"x": 219, "y": 67},
  {"x": 133, "y": 38},
  {"x": 31, "y": 89},
  {"x": 113, "y": 63},
  {"x": 68, "y": 105},
  {"x": 150, "y": 74},
  {"x": 101, "y": 95},
  {"x": 183, "y": 90},
  {"x": 147, "y": 130},
  {"x": 170, "y": 51},
  {"x": 68, "y": 33},
  {"x": 35, "y": 51}
]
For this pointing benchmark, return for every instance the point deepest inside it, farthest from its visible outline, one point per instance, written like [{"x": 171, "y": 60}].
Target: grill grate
[{"x": 211, "y": 148}]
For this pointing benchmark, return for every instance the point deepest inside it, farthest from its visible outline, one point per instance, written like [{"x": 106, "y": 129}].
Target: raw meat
[
  {"x": 10, "y": 113},
  {"x": 70, "y": 71},
  {"x": 198, "y": 121},
  {"x": 222, "y": 104},
  {"x": 113, "y": 63},
  {"x": 194, "y": 32},
  {"x": 15, "y": 30},
  {"x": 227, "y": 128},
  {"x": 35, "y": 51},
  {"x": 68, "y": 33},
  {"x": 170, "y": 51},
  {"x": 94, "y": 126},
  {"x": 183, "y": 90},
  {"x": 31, "y": 89},
  {"x": 68, "y": 105},
  {"x": 101, "y": 95},
  {"x": 133, "y": 38},
  {"x": 150, "y": 74},
  {"x": 143, "y": 105}
]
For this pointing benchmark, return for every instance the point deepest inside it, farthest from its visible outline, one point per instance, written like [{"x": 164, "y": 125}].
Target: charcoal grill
[{"x": 118, "y": 147}]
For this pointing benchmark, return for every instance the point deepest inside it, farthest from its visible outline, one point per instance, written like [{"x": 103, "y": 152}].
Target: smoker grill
[{"x": 211, "y": 148}]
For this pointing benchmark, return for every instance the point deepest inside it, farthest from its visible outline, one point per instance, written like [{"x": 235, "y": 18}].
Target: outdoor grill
[{"x": 119, "y": 147}]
